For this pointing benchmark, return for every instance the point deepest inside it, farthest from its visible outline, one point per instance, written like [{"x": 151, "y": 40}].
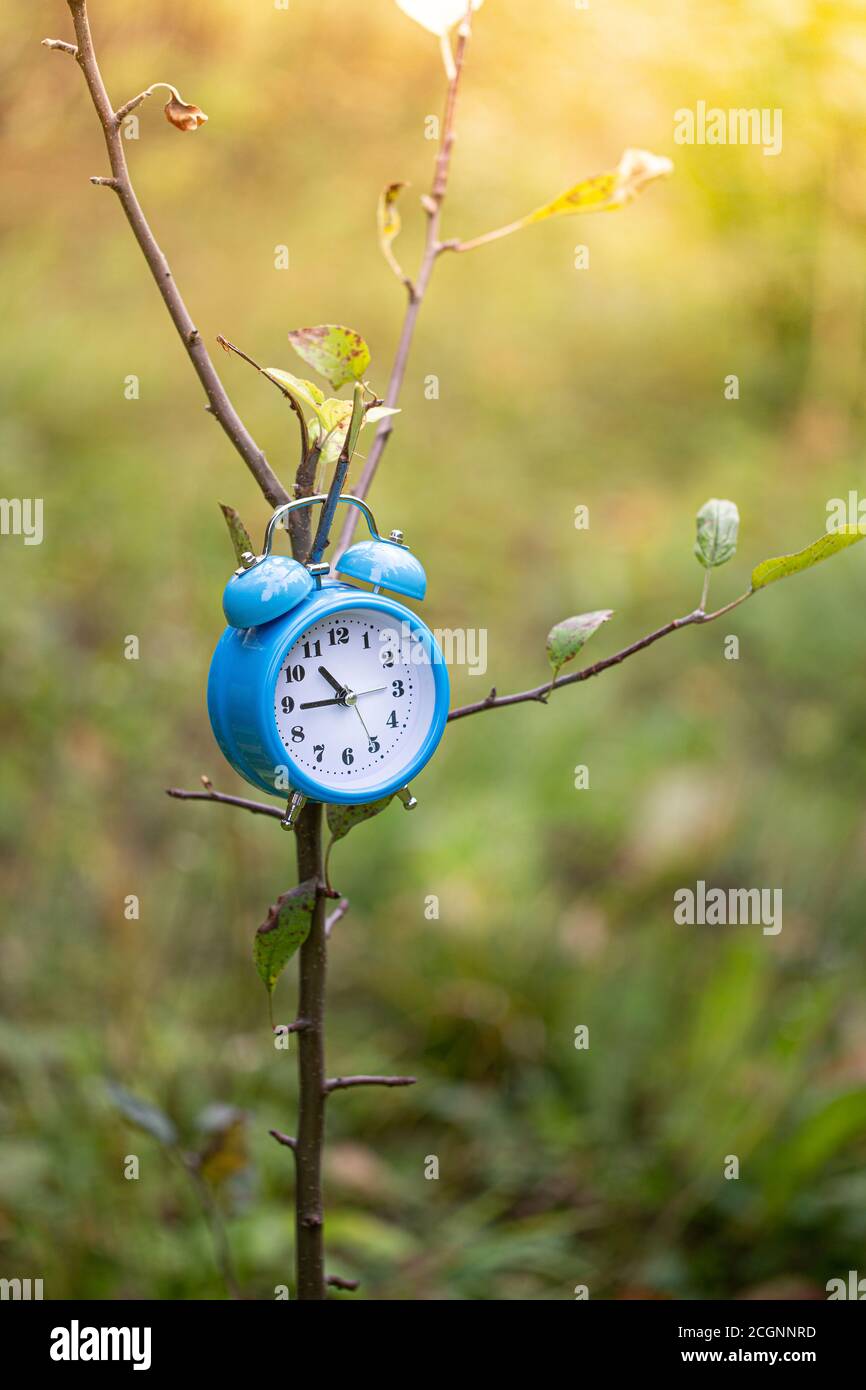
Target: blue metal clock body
[{"x": 270, "y": 605}]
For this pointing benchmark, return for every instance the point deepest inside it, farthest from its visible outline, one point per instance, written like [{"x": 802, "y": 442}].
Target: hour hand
[
  {"x": 334, "y": 684},
  {"x": 317, "y": 704}
]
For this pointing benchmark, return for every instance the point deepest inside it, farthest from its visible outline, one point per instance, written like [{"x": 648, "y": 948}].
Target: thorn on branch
[
  {"x": 335, "y": 1282},
  {"x": 285, "y": 1139},
  {"x": 61, "y": 47},
  {"x": 104, "y": 183},
  {"x": 342, "y": 1083}
]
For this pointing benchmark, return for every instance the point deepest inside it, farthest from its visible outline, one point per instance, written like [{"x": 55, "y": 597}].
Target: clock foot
[
  {"x": 409, "y": 801},
  {"x": 296, "y": 804}
]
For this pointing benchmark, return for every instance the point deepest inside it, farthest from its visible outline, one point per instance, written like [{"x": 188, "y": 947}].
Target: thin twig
[
  {"x": 540, "y": 693},
  {"x": 214, "y": 1221},
  {"x": 258, "y": 808},
  {"x": 342, "y": 1083},
  {"x": 416, "y": 290},
  {"x": 60, "y": 46},
  {"x": 334, "y": 917},
  {"x": 218, "y": 401},
  {"x": 228, "y": 346},
  {"x": 297, "y": 1027},
  {"x": 285, "y": 1139},
  {"x": 336, "y": 1282}
]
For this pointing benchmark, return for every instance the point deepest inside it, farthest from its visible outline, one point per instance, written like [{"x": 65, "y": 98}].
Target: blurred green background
[{"x": 558, "y": 387}]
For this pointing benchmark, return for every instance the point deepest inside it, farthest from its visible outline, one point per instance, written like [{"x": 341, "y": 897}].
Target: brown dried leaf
[{"x": 183, "y": 115}]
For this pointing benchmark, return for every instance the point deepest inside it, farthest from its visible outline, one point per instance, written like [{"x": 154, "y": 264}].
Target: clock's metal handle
[{"x": 282, "y": 512}]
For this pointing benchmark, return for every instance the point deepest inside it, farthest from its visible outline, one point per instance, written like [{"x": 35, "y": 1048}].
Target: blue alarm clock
[{"x": 320, "y": 689}]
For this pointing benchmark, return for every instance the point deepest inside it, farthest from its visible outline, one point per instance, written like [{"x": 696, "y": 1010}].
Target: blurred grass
[{"x": 558, "y": 387}]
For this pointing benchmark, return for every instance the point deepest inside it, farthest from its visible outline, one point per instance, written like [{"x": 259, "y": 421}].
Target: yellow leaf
[
  {"x": 388, "y": 219},
  {"x": 609, "y": 191}
]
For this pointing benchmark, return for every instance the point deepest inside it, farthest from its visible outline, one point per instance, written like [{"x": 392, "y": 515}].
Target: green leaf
[
  {"x": 565, "y": 640},
  {"x": 336, "y": 415},
  {"x": 339, "y": 354},
  {"x": 304, "y": 393},
  {"x": 283, "y": 931},
  {"x": 142, "y": 1114},
  {"x": 240, "y": 536},
  {"x": 718, "y": 525},
  {"x": 609, "y": 191},
  {"x": 342, "y": 819},
  {"x": 782, "y": 565}
]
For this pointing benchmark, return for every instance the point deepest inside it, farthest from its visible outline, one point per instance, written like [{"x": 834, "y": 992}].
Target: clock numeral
[
  {"x": 388, "y": 658},
  {"x": 318, "y": 749},
  {"x": 297, "y": 734},
  {"x": 338, "y": 637},
  {"x": 366, "y": 641},
  {"x": 373, "y": 745},
  {"x": 348, "y": 756},
  {"x": 288, "y": 704},
  {"x": 295, "y": 673},
  {"x": 391, "y": 721},
  {"x": 397, "y": 689},
  {"x": 312, "y": 649}
]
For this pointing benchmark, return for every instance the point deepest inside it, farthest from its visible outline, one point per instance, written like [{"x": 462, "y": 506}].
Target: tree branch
[
  {"x": 342, "y": 1083},
  {"x": 258, "y": 808},
  {"x": 218, "y": 401},
  {"x": 333, "y": 918},
  {"x": 285, "y": 1139},
  {"x": 336, "y": 1282},
  {"x": 416, "y": 289},
  {"x": 61, "y": 46},
  {"x": 309, "y": 1212},
  {"x": 540, "y": 693}
]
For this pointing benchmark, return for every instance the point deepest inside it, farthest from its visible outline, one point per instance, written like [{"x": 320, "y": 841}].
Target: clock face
[{"x": 354, "y": 699}]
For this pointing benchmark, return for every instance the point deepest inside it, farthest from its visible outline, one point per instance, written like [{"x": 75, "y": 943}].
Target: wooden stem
[{"x": 309, "y": 1205}]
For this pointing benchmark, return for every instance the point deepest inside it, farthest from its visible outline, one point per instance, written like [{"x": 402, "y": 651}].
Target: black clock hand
[
  {"x": 334, "y": 684},
  {"x": 317, "y": 704}
]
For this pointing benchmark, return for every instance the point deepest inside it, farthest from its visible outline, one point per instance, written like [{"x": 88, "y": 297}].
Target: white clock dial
[{"x": 354, "y": 699}]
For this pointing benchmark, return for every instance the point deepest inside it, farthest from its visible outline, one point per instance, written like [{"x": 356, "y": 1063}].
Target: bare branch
[
  {"x": 218, "y": 400},
  {"x": 258, "y": 808},
  {"x": 416, "y": 290},
  {"x": 333, "y": 918},
  {"x": 342, "y": 1083},
  {"x": 297, "y": 1026},
  {"x": 285, "y": 1139},
  {"x": 60, "y": 46},
  {"x": 540, "y": 693},
  {"x": 336, "y": 1282}
]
